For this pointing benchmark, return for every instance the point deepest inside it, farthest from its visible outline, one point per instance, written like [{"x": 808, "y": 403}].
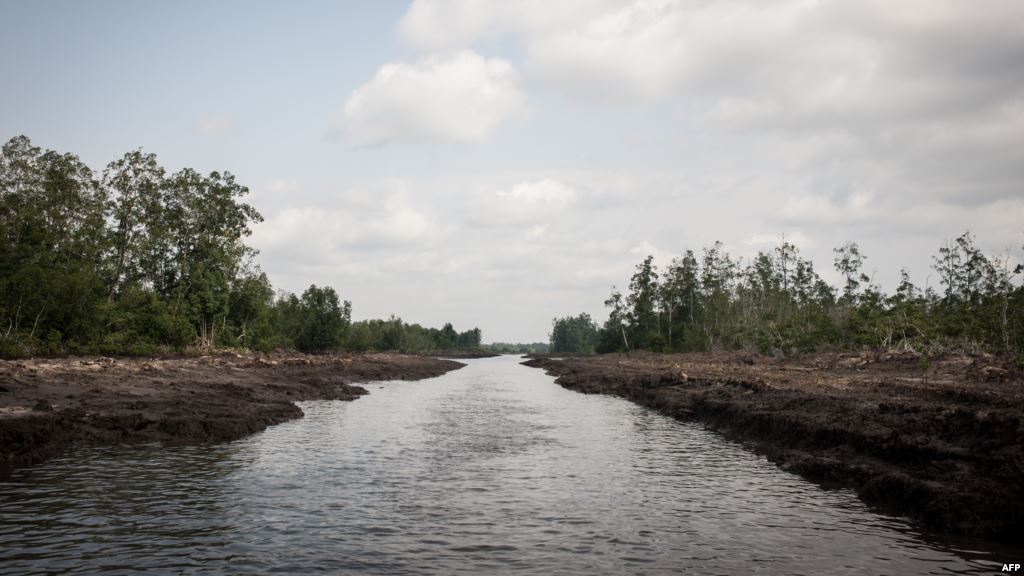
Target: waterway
[{"x": 490, "y": 469}]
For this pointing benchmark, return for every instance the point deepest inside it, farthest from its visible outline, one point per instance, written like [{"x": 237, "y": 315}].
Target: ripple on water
[{"x": 489, "y": 469}]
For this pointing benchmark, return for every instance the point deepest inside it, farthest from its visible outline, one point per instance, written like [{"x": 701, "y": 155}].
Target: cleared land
[{"x": 47, "y": 406}]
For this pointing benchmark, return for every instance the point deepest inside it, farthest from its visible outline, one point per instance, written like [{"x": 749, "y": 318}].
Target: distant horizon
[{"x": 498, "y": 165}]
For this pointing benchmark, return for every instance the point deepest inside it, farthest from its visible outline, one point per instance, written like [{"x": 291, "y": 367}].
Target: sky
[{"x": 498, "y": 164}]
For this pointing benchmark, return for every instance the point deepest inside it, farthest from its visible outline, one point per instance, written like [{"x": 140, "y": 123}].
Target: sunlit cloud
[{"x": 462, "y": 97}]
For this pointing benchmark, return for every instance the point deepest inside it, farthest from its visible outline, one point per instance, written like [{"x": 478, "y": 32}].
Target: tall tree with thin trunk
[{"x": 135, "y": 184}]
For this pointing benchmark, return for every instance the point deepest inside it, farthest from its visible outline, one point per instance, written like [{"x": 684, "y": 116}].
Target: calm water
[{"x": 489, "y": 469}]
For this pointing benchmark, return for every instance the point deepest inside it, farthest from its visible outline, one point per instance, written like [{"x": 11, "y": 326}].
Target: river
[{"x": 490, "y": 469}]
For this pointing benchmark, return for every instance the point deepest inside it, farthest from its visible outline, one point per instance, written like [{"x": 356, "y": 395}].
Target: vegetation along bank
[
  {"x": 133, "y": 260},
  {"x": 913, "y": 398}
]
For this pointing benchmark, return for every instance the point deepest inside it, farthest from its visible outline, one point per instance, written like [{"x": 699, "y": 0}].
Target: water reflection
[{"x": 490, "y": 469}]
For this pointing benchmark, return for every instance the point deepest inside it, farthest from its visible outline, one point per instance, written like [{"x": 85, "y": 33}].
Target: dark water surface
[{"x": 489, "y": 469}]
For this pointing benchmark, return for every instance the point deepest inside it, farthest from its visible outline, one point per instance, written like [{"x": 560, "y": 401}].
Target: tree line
[
  {"x": 777, "y": 303},
  {"x": 516, "y": 347},
  {"x": 394, "y": 334},
  {"x": 135, "y": 260}
]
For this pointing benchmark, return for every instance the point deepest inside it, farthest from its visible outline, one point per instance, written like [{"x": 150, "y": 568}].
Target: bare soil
[
  {"x": 938, "y": 441},
  {"x": 47, "y": 406}
]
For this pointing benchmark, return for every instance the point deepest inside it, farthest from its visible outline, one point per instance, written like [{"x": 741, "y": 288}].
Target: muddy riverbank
[
  {"x": 941, "y": 442},
  {"x": 49, "y": 405}
]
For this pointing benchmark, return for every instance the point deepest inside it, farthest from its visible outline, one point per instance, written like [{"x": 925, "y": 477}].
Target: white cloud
[
  {"x": 216, "y": 127},
  {"x": 643, "y": 47},
  {"x": 654, "y": 126},
  {"x": 662, "y": 258},
  {"x": 825, "y": 56},
  {"x": 400, "y": 222},
  {"x": 443, "y": 24},
  {"x": 448, "y": 24},
  {"x": 353, "y": 223},
  {"x": 280, "y": 186},
  {"x": 525, "y": 203},
  {"x": 919, "y": 99},
  {"x": 823, "y": 210},
  {"x": 766, "y": 242},
  {"x": 539, "y": 198},
  {"x": 894, "y": 126},
  {"x": 461, "y": 97},
  {"x": 535, "y": 232},
  {"x": 422, "y": 250}
]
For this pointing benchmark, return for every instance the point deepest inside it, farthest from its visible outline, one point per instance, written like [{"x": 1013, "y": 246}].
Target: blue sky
[
  {"x": 496, "y": 164},
  {"x": 103, "y": 77}
]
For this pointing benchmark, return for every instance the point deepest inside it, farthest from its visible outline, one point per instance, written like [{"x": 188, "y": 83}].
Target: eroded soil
[
  {"x": 47, "y": 406},
  {"x": 941, "y": 442}
]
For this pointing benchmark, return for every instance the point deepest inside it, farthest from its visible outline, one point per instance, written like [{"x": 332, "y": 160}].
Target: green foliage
[
  {"x": 323, "y": 320},
  {"x": 134, "y": 260},
  {"x": 448, "y": 338},
  {"x": 137, "y": 261},
  {"x": 778, "y": 304},
  {"x": 395, "y": 335},
  {"x": 468, "y": 340},
  {"x": 574, "y": 334},
  {"x": 613, "y": 336},
  {"x": 51, "y": 226},
  {"x": 250, "y": 313},
  {"x": 517, "y": 348},
  {"x": 141, "y": 317},
  {"x": 642, "y": 300}
]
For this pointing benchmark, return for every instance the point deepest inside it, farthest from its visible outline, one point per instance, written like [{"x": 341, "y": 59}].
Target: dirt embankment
[
  {"x": 47, "y": 406},
  {"x": 941, "y": 442}
]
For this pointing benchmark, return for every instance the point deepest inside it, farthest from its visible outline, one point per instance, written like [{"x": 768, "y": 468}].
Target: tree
[
  {"x": 962, "y": 268},
  {"x": 135, "y": 185},
  {"x": 848, "y": 262},
  {"x": 1000, "y": 292},
  {"x": 764, "y": 285},
  {"x": 718, "y": 274},
  {"x": 198, "y": 250},
  {"x": 851, "y": 314},
  {"x": 616, "y": 324},
  {"x": 137, "y": 261},
  {"x": 907, "y": 310},
  {"x": 787, "y": 256},
  {"x": 392, "y": 335},
  {"x": 642, "y": 300},
  {"x": 447, "y": 338},
  {"x": 779, "y": 304},
  {"x": 417, "y": 339},
  {"x": 470, "y": 339},
  {"x": 680, "y": 293},
  {"x": 250, "y": 302},
  {"x": 574, "y": 334},
  {"x": 52, "y": 219},
  {"x": 324, "y": 320}
]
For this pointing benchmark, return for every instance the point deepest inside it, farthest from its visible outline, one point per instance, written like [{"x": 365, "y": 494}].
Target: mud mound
[{"x": 47, "y": 406}]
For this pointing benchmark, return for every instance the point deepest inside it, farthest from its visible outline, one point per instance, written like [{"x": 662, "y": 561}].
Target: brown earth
[
  {"x": 941, "y": 442},
  {"x": 47, "y": 406}
]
